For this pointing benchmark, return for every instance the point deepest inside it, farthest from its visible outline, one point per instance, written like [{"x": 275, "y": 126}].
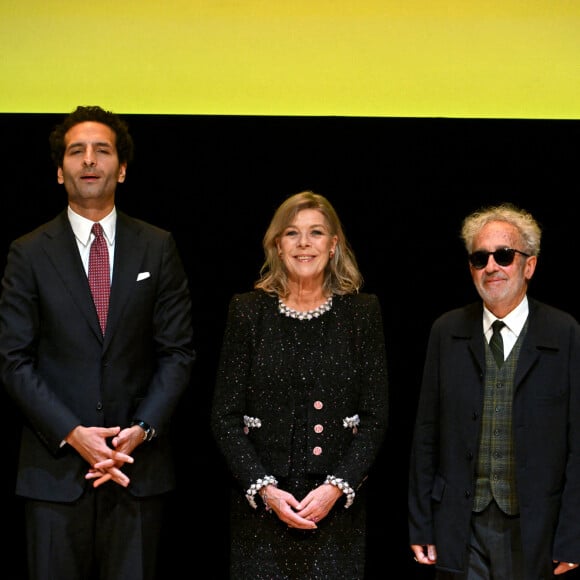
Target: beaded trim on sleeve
[
  {"x": 257, "y": 486},
  {"x": 351, "y": 422},
  {"x": 343, "y": 486},
  {"x": 252, "y": 421}
]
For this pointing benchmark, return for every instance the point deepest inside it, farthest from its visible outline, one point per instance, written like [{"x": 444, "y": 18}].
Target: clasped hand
[
  {"x": 302, "y": 514},
  {"x": 106, "y": 460}
]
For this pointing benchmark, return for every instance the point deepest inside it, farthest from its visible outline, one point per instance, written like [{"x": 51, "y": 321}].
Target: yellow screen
[{"x": 372, "y": 58}]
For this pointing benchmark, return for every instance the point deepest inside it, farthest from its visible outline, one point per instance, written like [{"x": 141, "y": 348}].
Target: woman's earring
[{"x": 331, "y": 253}]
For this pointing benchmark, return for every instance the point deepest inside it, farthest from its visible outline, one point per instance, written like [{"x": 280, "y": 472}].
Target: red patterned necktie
[{"x": 99, "y": 276}]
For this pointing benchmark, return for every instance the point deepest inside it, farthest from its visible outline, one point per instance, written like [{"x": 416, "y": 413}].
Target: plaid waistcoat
[{"x": 495, "y": 468}]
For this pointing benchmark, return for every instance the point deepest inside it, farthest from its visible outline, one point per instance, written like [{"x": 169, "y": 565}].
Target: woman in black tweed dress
[{"x": 301, "y": 402}]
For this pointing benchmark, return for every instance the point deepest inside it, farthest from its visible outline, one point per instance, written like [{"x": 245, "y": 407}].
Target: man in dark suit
[
  {"x": 95, "y": 463},
  {"x": 494, "y": 488}
]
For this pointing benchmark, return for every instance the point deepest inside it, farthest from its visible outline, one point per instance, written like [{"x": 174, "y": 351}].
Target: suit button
[
  {"x": 318, "y": 428},
  {"x": 318, "y": 405},
  {"x": 99, "y": 406},
  {"x": 317, "y": 450}
]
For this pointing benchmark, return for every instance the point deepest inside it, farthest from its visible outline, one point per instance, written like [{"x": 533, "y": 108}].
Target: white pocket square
[{"x": 143, "y": 276}]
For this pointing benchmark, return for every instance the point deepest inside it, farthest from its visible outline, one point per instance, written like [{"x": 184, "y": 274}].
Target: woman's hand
[{"x": 286, "y": 507}]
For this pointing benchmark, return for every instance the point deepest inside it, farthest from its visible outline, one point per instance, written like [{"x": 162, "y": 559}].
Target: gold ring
[{"x": 415, "y": 558}]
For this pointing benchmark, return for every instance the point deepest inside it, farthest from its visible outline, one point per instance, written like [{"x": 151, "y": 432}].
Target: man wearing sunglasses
[{"x": 494, "y": 481}]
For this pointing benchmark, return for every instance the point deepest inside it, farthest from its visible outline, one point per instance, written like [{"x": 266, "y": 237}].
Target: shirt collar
[
  {"x": 515, "y": 320},
  {"x": 82, "y": 226}
]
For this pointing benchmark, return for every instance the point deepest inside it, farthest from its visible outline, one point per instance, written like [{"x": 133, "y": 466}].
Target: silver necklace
[{"x": 309, "y": 314}]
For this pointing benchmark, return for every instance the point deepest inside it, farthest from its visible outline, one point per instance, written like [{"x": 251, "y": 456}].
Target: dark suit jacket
[
  {"x": 60, "y": 371},
  {"x": 257, "y": 377},
  {"x": 546, "y": 423}
]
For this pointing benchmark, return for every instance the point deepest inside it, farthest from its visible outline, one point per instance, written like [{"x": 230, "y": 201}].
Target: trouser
[
  {"x": 107, "y": 534},
  {"x": 495, "y": 548}
]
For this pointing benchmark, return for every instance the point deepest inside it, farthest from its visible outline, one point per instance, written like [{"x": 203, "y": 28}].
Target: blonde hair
[
  {"x": 342, "y": 275},
  {"x": 525, "y": 223}
]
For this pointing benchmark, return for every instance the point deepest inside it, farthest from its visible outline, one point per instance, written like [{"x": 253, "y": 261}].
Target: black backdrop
[{"x": 401, "y": 187}]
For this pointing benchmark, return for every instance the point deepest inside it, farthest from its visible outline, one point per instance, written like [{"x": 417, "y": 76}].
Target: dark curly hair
[{"x": 124, "y": 141}]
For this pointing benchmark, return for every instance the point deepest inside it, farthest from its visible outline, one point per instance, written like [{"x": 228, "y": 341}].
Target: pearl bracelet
[
  {"x": 343, "y": 486},
  {"x": 256, "y": 487}
]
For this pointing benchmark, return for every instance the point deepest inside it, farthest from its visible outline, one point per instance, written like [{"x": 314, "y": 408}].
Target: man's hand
[
  {"x": 105, "y": 461},
  {"x": 426, "y": 554},
  {"x": 124, "y": 443},
  {"x": 563, "y": 567}
]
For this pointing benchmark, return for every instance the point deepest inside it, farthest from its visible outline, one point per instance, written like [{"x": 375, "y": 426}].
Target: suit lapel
[
  {"x": 61, "y": 250},
  {"x": 129, "y": 250},
  {"x": 540, "y": 337}
]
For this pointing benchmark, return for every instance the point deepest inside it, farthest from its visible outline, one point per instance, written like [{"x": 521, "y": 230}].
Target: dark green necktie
[{"x": 496, "y": 342}]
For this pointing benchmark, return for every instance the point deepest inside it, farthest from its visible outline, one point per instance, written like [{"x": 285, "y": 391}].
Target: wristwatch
[{"x": 148, "y": 431}]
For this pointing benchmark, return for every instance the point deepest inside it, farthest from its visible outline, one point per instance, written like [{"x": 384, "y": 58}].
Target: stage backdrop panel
[{"x": 376, "y": 58}]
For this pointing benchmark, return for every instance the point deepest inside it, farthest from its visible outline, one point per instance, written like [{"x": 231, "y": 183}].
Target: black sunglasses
[{"x": 502, "y": 257}]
